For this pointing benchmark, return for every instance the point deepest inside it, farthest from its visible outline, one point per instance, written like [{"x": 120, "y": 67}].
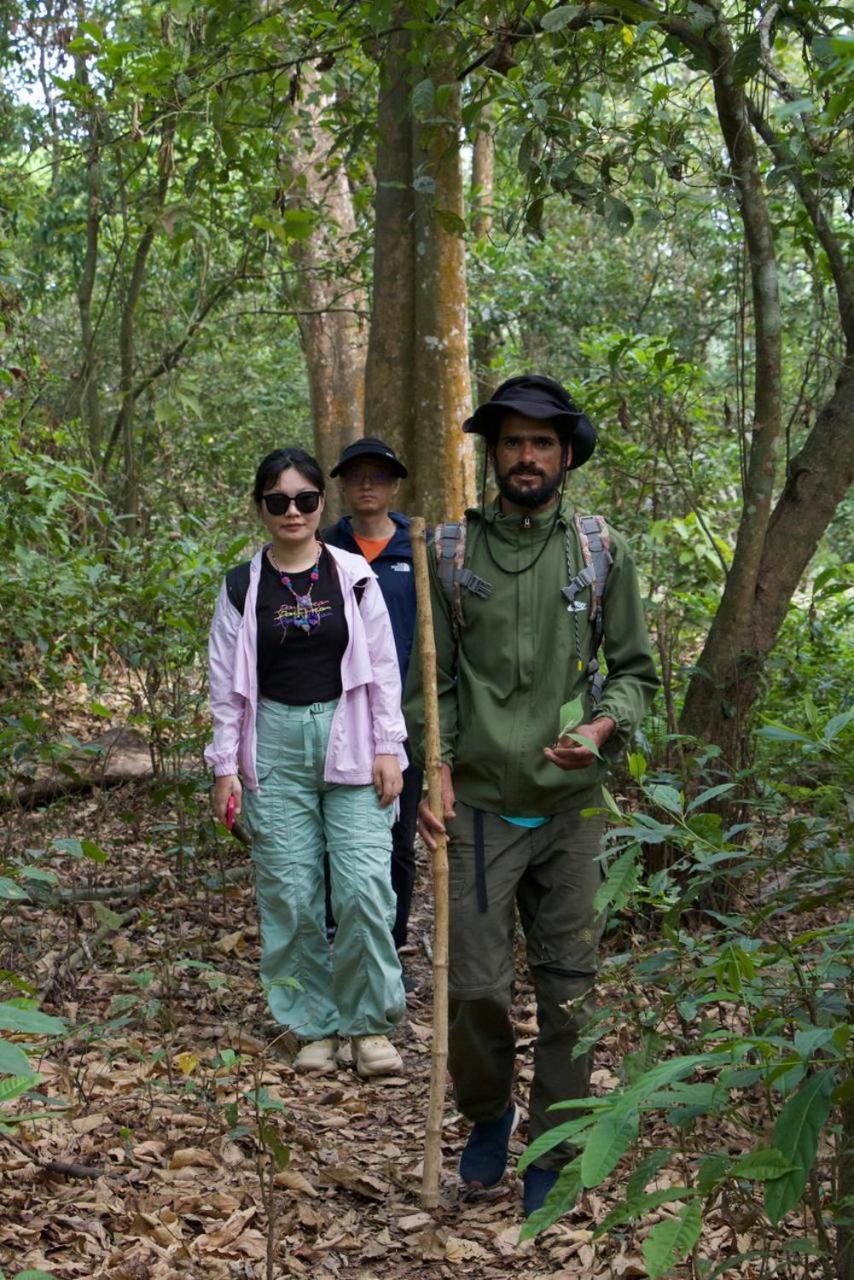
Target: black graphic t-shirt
[{"x": 300, "y": 667}]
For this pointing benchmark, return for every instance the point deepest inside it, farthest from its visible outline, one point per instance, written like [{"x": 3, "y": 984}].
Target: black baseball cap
[
  {"x": 370, "y": 447},
  {"x": 537, "y": 396}
]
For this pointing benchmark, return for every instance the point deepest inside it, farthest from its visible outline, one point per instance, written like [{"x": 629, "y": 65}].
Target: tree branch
[{"x": 839, "y": 269}]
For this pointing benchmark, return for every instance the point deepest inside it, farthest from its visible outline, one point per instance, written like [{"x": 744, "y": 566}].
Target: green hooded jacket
[{"x": 503, "y": 680}]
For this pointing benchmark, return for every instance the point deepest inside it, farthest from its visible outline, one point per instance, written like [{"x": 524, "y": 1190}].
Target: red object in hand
[{"x": 230, "y": 806}]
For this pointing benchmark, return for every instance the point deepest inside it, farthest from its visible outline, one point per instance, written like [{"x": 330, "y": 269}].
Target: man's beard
[{"x": 530, "y": 498}]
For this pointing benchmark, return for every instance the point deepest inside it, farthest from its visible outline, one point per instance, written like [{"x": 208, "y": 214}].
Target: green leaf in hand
[
  {"x": 581, "y": 740},
  {"x": 571, "y": 715}
]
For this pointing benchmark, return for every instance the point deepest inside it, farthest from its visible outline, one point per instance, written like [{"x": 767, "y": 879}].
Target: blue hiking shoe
[
  {"x": 537, "y": 1183},
  {"x": 484, "y": 1157}
]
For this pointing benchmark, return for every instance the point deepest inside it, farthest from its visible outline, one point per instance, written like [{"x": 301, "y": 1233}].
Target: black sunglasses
[{"x": 278, "y": 504}]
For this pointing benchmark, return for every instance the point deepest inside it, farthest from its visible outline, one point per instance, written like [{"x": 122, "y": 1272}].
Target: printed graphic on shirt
[
  {"x": 306, "y": 617},
  {"x": 402, "y": 566}
]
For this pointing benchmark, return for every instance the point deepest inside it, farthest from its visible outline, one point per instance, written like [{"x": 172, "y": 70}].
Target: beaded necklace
[{"x": 306, "y": 617}]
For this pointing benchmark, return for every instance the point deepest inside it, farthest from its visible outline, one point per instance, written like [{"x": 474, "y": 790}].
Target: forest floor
[{"x": 171, "y": 1041}]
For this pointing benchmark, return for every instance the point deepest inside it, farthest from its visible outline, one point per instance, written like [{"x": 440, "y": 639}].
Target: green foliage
[{"x": 747, "y": 1005}]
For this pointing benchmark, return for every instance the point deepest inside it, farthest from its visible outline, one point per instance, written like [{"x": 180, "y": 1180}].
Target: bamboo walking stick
[{"x": 439, "y": 1055}]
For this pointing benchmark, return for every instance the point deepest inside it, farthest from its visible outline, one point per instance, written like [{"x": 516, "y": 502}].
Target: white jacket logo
[{"x": 402, "y": 566}]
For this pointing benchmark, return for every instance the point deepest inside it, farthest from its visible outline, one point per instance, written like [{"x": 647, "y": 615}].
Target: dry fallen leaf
[
  {"x": 150, "y": 1151},
  {"x": 227, "y": 1232},
  {"x": 353, "y": 1179},
  {"x": 413, "y": 1221},
  {"x": 231, "y": 942},
  {"x": 459, "y": 1250},
  {"x": 185, "y": 1156},
  {"x": 430, "y": 1244},
  {"x": 87, "y": 1124},
  {"x": 293, "y": 1180}
]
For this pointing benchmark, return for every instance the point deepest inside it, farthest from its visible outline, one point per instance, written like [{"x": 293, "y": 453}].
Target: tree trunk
[
  {"x": 390, "y": 369},
  {"x": 124, "y": 428},
  {"x": 332, "y": 302},
  {"x": 444, "y": 457},
  {"x": 484, "y": 335},
  {"x": 714, "y": 702},
  {"x": 818, "y": 479},
  {"x": 87, "y": 378}
]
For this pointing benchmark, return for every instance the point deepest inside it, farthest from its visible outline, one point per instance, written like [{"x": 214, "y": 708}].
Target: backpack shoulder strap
[
  {"x": 237, "y": 585},
  {"x": 596, "y": 550},
  {"x": 595, "y": 542},
  {"x": 359, "y": 590},
  {"x": 450, "y": 542}
]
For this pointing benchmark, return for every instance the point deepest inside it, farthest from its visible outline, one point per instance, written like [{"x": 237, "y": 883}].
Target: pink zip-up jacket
[{"x": 367, "y": 722}]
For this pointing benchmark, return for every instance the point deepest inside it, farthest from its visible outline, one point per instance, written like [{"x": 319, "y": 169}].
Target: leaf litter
[{"x": 173, "y": 1060}]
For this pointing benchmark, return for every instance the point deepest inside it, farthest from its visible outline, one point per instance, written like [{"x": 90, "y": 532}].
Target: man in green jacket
[{"x": 515, "y": 643}]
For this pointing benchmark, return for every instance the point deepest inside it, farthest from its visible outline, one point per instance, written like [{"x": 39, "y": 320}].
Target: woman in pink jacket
[{"x": 308, "y": 739}]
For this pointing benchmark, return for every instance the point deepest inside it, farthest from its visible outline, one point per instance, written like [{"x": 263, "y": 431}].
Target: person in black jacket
[{"x": 369, "y": 471}]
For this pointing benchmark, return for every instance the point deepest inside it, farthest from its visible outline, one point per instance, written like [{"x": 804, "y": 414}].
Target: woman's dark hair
[{"x": 271, "y": 467}]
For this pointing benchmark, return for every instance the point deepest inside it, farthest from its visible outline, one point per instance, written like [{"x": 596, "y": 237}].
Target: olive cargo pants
[{"x": 551, "y": 874}]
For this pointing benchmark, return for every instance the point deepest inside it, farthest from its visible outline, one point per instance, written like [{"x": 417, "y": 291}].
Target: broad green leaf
[
  {"x": 621, "y": 880},
  {"x": 551, "y": 1138},
  {"x": 812, "y": 1038},
  {"x": 423, "y": 98},
  {"x": 581, "y": 741},
  {"x": 559, "y": 1201},
  {"x": 13, "y": 1086},
  {"x": 606, "y": 1143},
  {"x": 12, "y": 892},
  {"x": 662, "y": 1074},
  {"x": 13, "y": 1018},
  {"x": 68, "y": 845},
  {"x": 636, "y": 1206},
  {"x": 610, "y": 803},
  {"x": 270, "y": 1137},
  {"x": 571, "y": 715},
  {"x": 668, "y": 797},
  {"x": 780, "y": 733},
  {"x": 618, "y": 215},
  {"x": 835, "y": 725},
  {"x": 450, "y": 221},
  {"x": 705, "y": 796},
  {"x": 713, "y": 1167},
  {"x": 646, "y": 1171},
  {"x": 796, "y": 1136},
  {"x": 13, "y": 1061},
  {"x": 93, "y": 851},
  {"x": 40, "y": 873},
  {"x": 762, "y": 1165},
  {"x": 747, "y": 58},
  {"x": 104, "y": 915},
  {"x": 34, "y": 1274},
  {"x": 669, "y": 1242},
  {"x": 637, "y": 766},
  {"x": 557, "y": 19}
]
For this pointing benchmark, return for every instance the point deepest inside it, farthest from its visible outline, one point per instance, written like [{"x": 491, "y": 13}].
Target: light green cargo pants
[
  {"x": 551, "y": 874},
  {"x": 355, "y": 987}
]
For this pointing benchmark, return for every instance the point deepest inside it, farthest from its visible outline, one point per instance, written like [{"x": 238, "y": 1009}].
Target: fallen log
[
  {"x": 117, "y": 756},
  {"x": 46, "y": 896}
]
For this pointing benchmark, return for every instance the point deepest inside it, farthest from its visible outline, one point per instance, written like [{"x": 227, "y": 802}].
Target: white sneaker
[
  {"x": 317, "y": 1056},
  {"x": 376, "y": 1056}
]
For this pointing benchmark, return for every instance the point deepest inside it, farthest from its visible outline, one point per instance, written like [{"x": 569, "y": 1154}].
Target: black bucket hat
[
  {"x": 536, "y": 396},
  {"x": 370, "y": 447}
]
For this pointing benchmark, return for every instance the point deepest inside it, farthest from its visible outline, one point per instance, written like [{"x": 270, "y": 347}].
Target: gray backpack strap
[
  {"x": 596, "y": 552},
  {"x": 450, "y": 541}
]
